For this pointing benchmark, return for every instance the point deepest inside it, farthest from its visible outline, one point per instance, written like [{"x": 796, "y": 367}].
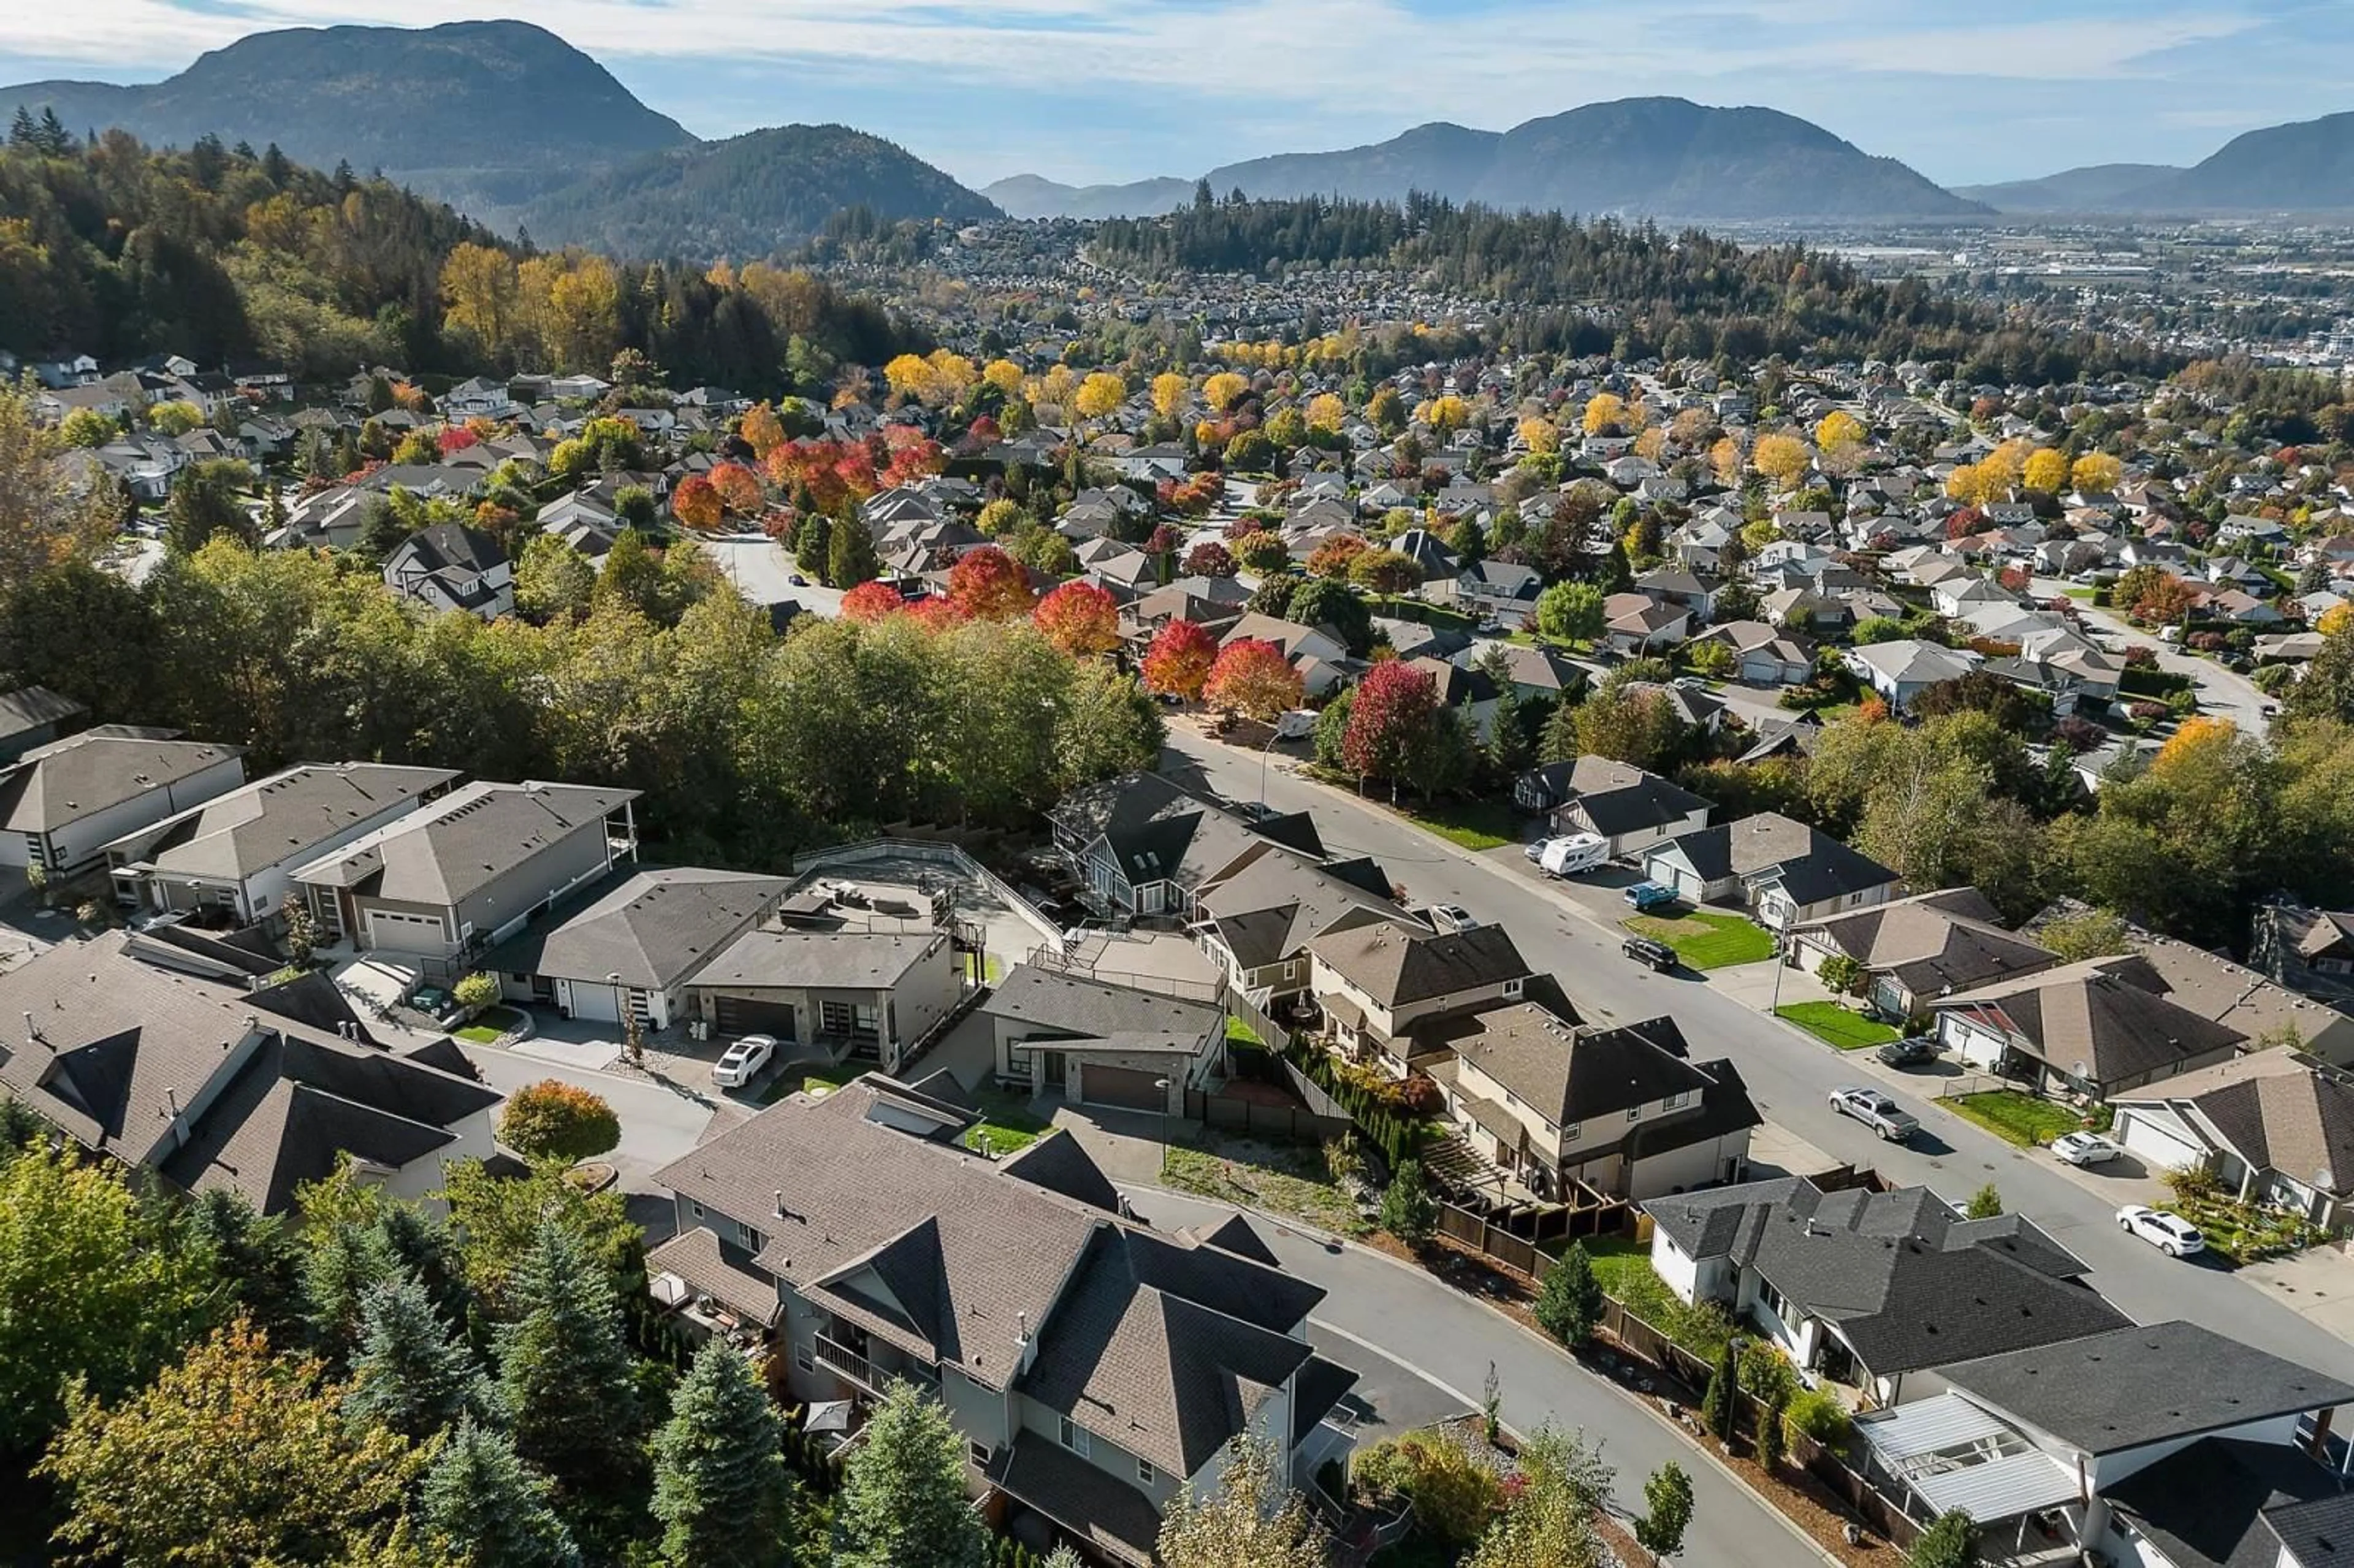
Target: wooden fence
[
  {"x": 1261, "y": 1120},
  {"x": 1519, "y": 1249}
]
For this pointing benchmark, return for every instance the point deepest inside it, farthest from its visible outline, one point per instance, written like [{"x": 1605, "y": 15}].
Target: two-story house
[
  {"x": 62, "y": 803},
  {"x": 872, "y": 994},
  {"x": 1255, "y": 920},
  {"x": 1383, "y": 987},
  {"x": 144, "y": 1052},
  {"x": 452, "y": 567},
  {"x": 1095, "y": 1369},
  {"x": 1627, "y": 807},
  {"x": 1551, "y": 1101},
  {"x": 440, "y": 885},
  {"x": 237, "y": 852},
  {"x": 1142, "y": 846},
  {"x": 1870, "y": 1289}
]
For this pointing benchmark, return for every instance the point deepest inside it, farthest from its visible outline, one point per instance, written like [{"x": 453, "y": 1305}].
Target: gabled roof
[
  {"x": 1619, "y": 798},
  {"x": 1932, "y": 942},
  {"x": 1810, "y": 863},
  {"x": 2105, "y": 1014},
  {"x": 59, "y": 784},
  {"x": 2224, "y": 1502},
  {"x": 1080, "y": 1008},
  {"x": 1576, "y": 1073},
  {"x": 31, "y": 707},
  {"x": 2108, "y": 1391},
  {"x": 652, "y": 927},
  {"x": 277, "y": 818},
  {"x": 1396, "y": 963},
  {"x": 2278, "y": 1110},
  {"x": 465, "y": 841}
]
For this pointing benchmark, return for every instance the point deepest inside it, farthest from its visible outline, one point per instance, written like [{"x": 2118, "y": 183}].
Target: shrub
[
  {"x": 1842, "y": 975},
  {"x": 1815, "y": 1412},
  {"x": 1766, "y": 1373},
  {"x": 1408, "y": 1212},
  {"x": 476, "y": 989},
  {"x": 1948, "y": 1542},
  {"x": 1455, "y": 1497},
  {"x": 555, "y": 1121},
  {"x": 1720, "y": 1406}
]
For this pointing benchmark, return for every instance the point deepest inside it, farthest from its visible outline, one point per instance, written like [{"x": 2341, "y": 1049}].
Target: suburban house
[
  {"x": 1629, "y": 809},
  {"x": 1501, "y": 591},
  {"x": 1384, "y": 986},
  {"x": 1255, "y": 920},
  {"x": 2309, "y": 950},
  {"x": 440, "y": 885},
  {"x": 871, "y": 994},
  {"x": 1787, "y": 873},
  {"x": 237, "y": 852},
  {"x": 1902, "y": 669},
  {"x": 2273, "y": 1127},
  {"x": 626, "y": 946},
  {"x": 62, "y": 803},
  {"x": 1870, "y": 1289},
  {"x": 1097, "y": 1044},
  {"x": 452, "y": 567},
  {"x": 1142, "y": 846},
  {"x": 1550, "y": 1101},
  {"x": 2098, "y": 1027},
  {"x": 35, "y": 715},
  {"x": 1094, "y": 1369},
  {"x": 2168, "y": 1445},
  {"x": 1763, "y": 655},
  {"x": 151, "y": 1054},
  {"x": 2245, "y": 999},
  {"x": 1914, "y": 950}
]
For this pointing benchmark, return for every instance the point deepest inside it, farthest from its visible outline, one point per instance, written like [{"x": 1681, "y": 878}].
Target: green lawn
[
  {"x": 489, "y": 1024},
  {"x": 1288, "y": 1178},
  {"x": 2083, "y": 593},
  {"x": 1705, "y": 939},
  {"x": 1007, "y": 1121},
  {"x": 1241, "y": 1034},
  {"x": 1622, "y": 1265},
  {"x": 1835, "y": 1025},
  {"x": 814, "y": 1079},
  {"x": 1469, "y": 824},
  {"x": 2020, "y": 1118}
]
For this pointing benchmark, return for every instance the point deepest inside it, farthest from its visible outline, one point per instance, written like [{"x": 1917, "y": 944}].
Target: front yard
[
  {"x": 1835, "y": 1025},
  {"x": 487, "y": 1025},
  {"x": 1006, "y": 1121},
  {"x": 2018, "y": 1119},
  {"x": 1282, "y": 1178},
  {"x": 1468, "y": 824},
  {"x": 1705, "y": 939},
  {"x": 2242, "y": 1234}
]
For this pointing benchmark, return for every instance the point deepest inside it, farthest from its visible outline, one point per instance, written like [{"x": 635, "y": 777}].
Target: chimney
[
  {"x": 32, "y": 1029},
  {"x": 780, "y": 1203}
]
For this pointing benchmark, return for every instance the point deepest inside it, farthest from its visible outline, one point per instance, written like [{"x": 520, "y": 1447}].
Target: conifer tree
[
  {"x": 411, "y": 1376},
  {"x": 489, "y": 1509},
  {"x": 564, "y": 1369},
  {"x": 903, "y": 1501},
  {"x": 720, "y": 1487}
]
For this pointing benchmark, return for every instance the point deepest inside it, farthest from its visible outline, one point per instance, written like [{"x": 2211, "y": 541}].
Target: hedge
[{"x": 1399, "y": 1137}]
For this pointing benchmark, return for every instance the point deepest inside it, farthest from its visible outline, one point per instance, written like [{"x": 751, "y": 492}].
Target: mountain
[
  {"x": 1035, "y": 196},
  {"x": 480, "y": 115},
  {"x": 2307, "y": 166},
  {"x": 2096, "y": 188},
  {"x": 1664, "y": 157},
  {"x": 747, "y": 196}
]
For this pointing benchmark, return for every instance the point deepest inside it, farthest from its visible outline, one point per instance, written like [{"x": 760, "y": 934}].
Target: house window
[
  {"x": 745, "y": 1233},
  {"x": 1144, "y": 1472},
  {"x": 1772, "y": 1300},
  {"x": 696, "y": 1207},
  {"x": 1672, "y": 1101},
  {"x": 1634, "y": 1113},
  {"x": 1511, "y": 987},
  {"x": 979, "y": 1454},
  {"x": 1074, "y": 1437},
  {"x": 1569, "y": 1132},
  {"x": 802, "y": 1360}
]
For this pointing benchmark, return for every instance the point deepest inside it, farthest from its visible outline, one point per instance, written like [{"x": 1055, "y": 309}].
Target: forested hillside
[
  {"x": 117, "y": 250},
  {"x": 1580, "y": 287}
]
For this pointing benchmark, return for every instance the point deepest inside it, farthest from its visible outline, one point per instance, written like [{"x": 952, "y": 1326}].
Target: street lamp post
[{"x": 1162, "y": 1085}]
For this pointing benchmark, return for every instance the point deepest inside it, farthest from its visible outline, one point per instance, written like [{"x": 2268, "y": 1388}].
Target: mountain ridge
[{"x": 2086, "y": 189}]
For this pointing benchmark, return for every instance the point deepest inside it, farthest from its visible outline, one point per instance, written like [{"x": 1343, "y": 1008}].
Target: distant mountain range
[
  {"x": 2090, "y": 189},
  {"x": 1664, "y": 157},
  {"x": 2306, "y": 166},
  {"x": 1035, "y": 196},
  {"x": 514, "y": 126}
]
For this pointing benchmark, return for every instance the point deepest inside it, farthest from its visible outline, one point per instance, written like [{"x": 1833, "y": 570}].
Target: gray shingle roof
[
  {"x": 1935, "y": 940},
  {"x": 2105, "y": 1014},
  {"x": 1078, "y": 1007},
  {"x": 61, "y": 783},
  {"x": 1396, "y": 963},
  {"x": 2108, "y": 1391},
  {"x": 1622, "y": 799},
  {"x": 1574, "y": 1072},
  {"x": 652, "y": 927},
  {"x": 1811, "y": 864},
  {"x": 829, "y": 960},
  {"x": 277, "y": 818},
  {"x": 465, "y": 841}
]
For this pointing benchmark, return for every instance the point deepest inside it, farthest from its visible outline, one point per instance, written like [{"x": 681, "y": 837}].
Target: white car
[
  {"x": 742, "y": 1062},
  {"x": 2170, "y": 1233},
  {"x": 1452, "y": 917},
  {"x": 2084, "y": 1148}
]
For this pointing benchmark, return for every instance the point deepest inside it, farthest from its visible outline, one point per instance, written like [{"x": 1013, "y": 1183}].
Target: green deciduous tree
[
  {"x": 903, "y": 1502},
  {"x": 489, "y": 1509},
  {"x": 1667, "y": 1510},
  {"x": 1571, "y": 612},
  {"x": 1950, "y": 1542},
  {"x": 1248, "y": 1521},
  {"x": 721, "y": 1489},
  {"x": 556, "y": 1120}
]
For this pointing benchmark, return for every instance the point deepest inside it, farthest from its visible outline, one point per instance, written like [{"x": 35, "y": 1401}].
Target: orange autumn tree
[
  {"x": 1179, "y": 660},
  {"x": 761, "y": 430},
  {"x": 935, "y": 613},
  {"x": 1253, "y": 678},
  {"x": 738, "y": 488},
  {"x": 1080, "y": 618},
  {"x": 871, "y": 601},
  {"x": 1331, "y": 556},
  {"x": 696, "y": 502},
  {"x": 987, "y": 584}
]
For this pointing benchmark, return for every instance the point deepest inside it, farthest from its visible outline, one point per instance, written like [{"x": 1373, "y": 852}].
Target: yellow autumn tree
[
  {"x": 954, "y": 374},
  {"x": 911, "y": 376},
  {"x": 2199, "y": 743},
  {"x": 1003, "y": 375},
  {"x": 1839, "y": 430},
  {"x": 1327, "y": 412},
  {"x": 1968, "y": 483},
  {"x": 1056, "y": 386},
  {"x": 2006, "y": 466},
  {"x": 1603, "y": 410},
  {"x": 1223, "y": 390},
  {"x": 2095, "y": 474},
  {"x": 1725, "y": 459},
  {"x": 1652, "y": 444},
  {"x": 1781, "y": 458},
  {"x": 1169, "y": 390},
  {"x": 2045, "y": 470},
  {"x": 1099, "y": 394},
  {"x": 1445, "y": 414},
  {"x": 1539, "y": 434},
  {"x": 2335, "y": 620},
  {"x": 482, "y": 292}
]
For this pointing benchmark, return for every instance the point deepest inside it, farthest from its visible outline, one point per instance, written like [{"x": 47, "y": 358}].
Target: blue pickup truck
[{"x": 1646, "y": 897}]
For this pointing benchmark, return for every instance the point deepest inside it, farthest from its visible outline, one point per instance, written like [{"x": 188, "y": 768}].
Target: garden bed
[
  {"x": 1837, "y": 1026},
  {"x": 1707, "y": 940},
  {"x": 2018, "y": 1118},
  {"x": 2242, "y": 1234}
]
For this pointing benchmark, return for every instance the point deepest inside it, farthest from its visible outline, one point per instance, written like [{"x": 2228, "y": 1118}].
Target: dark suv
[{"x": 1653, "y": 955}]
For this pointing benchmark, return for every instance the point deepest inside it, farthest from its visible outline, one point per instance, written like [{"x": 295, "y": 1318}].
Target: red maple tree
[
  {"x": 1392, "y": 715},
  {"x": 1080, "y": 618},
  {"x": 1179, "y": 660},
  {"x": 871, "y": 601},
  {"x": 987, "y": 584},
  {"x": 1253, "y": 678}
]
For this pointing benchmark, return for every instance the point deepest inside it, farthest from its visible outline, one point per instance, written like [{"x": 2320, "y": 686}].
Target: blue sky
[{"x": 1116, "y": 90}]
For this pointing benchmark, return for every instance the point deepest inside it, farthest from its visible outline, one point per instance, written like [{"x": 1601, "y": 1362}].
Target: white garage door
[
  {"x": 407, "y": 933},
  {"x": 2154, "y": 1143},
  {"x": 595, "y": 1002}
]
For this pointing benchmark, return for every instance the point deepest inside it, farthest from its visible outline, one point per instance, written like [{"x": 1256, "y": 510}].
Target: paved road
[
  {"x": 2225, "y": 693},
  {"x": 763, "y": 574},
  {"x": 1380, "y": 1309},
  {"x": 1789, "y": 1075}
]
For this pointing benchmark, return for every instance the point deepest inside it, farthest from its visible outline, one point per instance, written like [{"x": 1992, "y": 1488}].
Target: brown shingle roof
[{"x": 1396, "y": 963}]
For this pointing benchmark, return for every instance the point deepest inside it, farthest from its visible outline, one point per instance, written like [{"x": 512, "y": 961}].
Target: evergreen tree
[
  {"x": 1408, "y": 1212},
  {"x": 1569, "y": 1302},
  {"x": 343, "y": 1265},
  {"x": 489, "y": 1508},
  {"x": 21, "y": 131},
  {"x": 903, "y": 1501},
  {"x": 410, "y": 1375},
  {"x": 256, "y": 1256},
  {"x": 720, "y": 1487},
  {"x": 1950, "y": 1542},
  {"x": 1773, "y": 1432},
  {"x": 564, "y": 1368},
  {"x": 1722, "y": 1402},
  {"x": 850, "y": 555},
  {"x": 813, "y": 544}
]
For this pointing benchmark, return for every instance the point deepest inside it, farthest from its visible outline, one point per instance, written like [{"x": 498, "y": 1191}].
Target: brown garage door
[
  {"x": 1123, "y": 1087},
  {"x": 744, "y": 1015}
]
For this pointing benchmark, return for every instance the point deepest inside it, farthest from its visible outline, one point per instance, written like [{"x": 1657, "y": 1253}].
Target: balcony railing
[{"x": 832, "y": 1354}]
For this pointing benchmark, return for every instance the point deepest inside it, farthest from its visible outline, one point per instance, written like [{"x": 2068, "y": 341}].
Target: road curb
[{"x": 1638, "y": 1401}]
